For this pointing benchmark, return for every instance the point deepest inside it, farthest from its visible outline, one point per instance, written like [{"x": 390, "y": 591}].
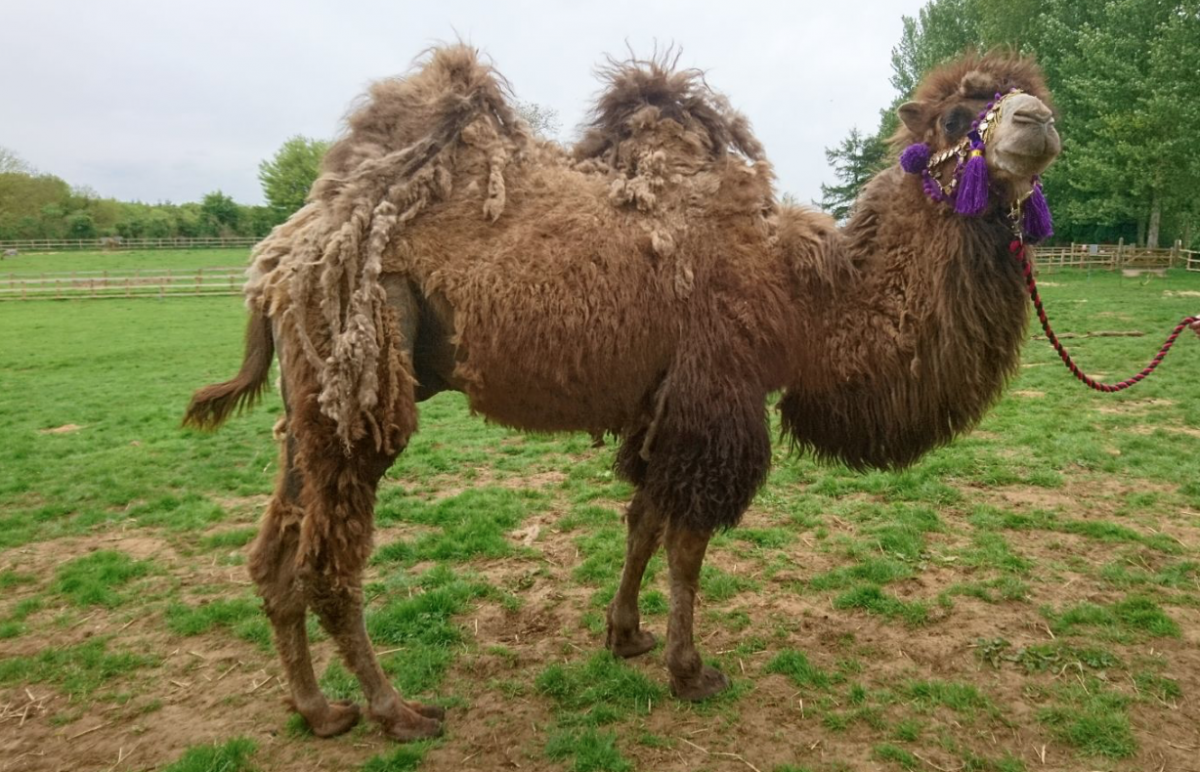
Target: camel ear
[{"x": 913, "y": 116}]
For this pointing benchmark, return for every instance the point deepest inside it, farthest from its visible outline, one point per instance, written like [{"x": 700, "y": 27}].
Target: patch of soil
[{"x": 64, "y": 429}]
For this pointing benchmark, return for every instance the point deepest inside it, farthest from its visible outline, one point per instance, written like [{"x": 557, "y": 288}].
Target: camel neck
[{"x": 922, "y": 337}]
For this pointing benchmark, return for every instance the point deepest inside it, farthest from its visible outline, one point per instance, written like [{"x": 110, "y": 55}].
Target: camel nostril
[{"x": 1033, "y": 116}]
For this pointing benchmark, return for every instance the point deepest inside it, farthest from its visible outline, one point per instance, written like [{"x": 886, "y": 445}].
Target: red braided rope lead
[{"x": 1020, "y": 251}]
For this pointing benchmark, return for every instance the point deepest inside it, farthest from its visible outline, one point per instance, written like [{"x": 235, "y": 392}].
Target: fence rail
[
  {"x": 115, "y": 244},
  {"x": 1120, "y": 256},
  {"x": 159, "y": 284}
]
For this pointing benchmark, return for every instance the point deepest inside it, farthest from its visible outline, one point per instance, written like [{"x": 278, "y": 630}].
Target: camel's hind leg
[
  {"x": 691, "y": 679},
  {"x": 646, "y": 525},
  {"x": 273, "y": 569},
  {"x": 340, "y": 495}
]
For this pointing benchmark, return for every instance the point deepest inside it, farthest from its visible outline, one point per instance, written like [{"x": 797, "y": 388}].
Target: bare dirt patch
[{"x": 64, "y": 429}]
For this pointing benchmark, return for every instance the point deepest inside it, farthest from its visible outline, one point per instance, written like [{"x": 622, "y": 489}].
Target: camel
[{"x": 643, "y": 284}]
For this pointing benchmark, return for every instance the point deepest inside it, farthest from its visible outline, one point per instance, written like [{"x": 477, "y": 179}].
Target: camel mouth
[{"x": 1027, "y": 153}]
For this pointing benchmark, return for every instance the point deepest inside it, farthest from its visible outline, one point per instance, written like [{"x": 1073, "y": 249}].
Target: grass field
[
  {"x": 1026, "y": 599},
  {"x": 157, "y": 260}
]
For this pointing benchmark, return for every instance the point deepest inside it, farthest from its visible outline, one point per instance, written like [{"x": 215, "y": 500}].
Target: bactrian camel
[{"x": 643, "y": 283}]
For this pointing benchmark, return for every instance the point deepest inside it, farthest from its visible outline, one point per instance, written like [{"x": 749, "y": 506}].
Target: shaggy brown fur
[
  {"x": 644, "y": 284},
  {"x": 931, "y": 330}
]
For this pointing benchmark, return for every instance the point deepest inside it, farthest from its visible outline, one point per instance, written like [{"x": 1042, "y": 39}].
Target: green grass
[
  {"x": 77, "y": 670},
  {"x": 1133, "y": 617},
  {"x": 10, "y": 579},
  {"x": 874, "y": 600},
  {"x": 234, "y": 539},
  {"x": 471, "y": 525},
  {"x": 1093, "y": 719},
  {"x": 1066, "y": 510},
  {"x": 891, "y": 753},
  {"x": 424, "y": 617},
  {"x": 93, "y": 580},
  {"x": 599, "y": 690},
  {"x": 400, "y": 759},
  {"x": 795, "y": 665},
  {"x": 964, "y": 699},
  {"x": 589, "y": 750},
  {"x": 128, "y": 261},
  {"x": 232, "y": 756},
  {"x": 241, "y": 616}
]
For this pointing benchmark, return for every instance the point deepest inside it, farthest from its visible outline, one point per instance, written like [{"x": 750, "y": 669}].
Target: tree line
[
  {"x": 42, "y": 206},
  {"x": 1124, "y": 75},
  {"x": 35, "y": 205}
]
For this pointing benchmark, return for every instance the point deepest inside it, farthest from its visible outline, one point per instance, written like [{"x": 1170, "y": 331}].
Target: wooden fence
[
  {"x": 1117, "y": 257},
  {"x": 116, "y": 244},
  {"x": 161, "y": 284}
]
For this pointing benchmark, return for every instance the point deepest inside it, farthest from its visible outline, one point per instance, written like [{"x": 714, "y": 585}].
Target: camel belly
[{"x": 538, "y": 368}]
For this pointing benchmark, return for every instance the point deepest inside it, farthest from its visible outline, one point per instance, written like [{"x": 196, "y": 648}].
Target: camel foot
[
  {"x": 704, "y": 684},
  {"x": 406, "y": 724},
  {"x": 428, "y": 711},
  {"x": 629, "y": 645},
  {"x": 338, "y": 719}
]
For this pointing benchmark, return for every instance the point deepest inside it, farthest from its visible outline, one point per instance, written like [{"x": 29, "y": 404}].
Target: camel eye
[{"x": 956, "y": 122}]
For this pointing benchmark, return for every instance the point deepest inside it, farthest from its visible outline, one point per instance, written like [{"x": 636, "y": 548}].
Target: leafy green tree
[
  {"x": 288, "y": 176},
  {"x": 1127, "y": 79},
  {"x": 221, "y": 213},
  {"x": 80, "y": 226},
  {"x": 941, "y": 30},
  {"x": 854, "y": 162}
]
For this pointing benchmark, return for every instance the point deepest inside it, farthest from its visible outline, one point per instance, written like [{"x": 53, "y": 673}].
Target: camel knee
[{"x": 272, "y": 558}]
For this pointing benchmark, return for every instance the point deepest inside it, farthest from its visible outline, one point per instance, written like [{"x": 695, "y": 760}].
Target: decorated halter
[{"x": 968, "y": 189}]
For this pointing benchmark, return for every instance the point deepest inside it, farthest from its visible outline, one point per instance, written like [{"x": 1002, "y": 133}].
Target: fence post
[
  {"x": 1174, "y": 253},
  {"x": 57, "y": 290},
  {"x": 1121, "y": 253}
]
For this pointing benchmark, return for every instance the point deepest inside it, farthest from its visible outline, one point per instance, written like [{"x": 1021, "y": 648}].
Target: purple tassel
[
  {"x": 1037, "y": 223},
  {"x": 915, "y": 158},
  {"x": 972, "y": 196}
]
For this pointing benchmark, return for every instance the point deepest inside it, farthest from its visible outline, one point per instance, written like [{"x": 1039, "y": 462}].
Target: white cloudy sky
[{"x": 166, "y": 100}]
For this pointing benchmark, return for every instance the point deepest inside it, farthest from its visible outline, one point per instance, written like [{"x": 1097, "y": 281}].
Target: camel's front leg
[
  {"x": 626, "y": 638},
  {"x": 691, "y": 679}
]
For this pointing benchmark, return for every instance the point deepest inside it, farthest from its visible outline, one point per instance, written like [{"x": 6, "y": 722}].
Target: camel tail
[{"x": 212, "y": 405}]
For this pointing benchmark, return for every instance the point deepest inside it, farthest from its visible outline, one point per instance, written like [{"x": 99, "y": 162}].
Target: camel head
[{"x": 979, "y": 132}]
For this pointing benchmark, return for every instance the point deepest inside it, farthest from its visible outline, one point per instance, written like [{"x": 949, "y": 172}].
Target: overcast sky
[{"x": 167, "y": 100}]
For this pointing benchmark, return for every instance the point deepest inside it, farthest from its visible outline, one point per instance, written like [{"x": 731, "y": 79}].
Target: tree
[
  {"x": 288, "y": 176},
  {"x": 941, "y": 30},
  {"x": 221, "y": 212},
  {"x": 11, "y": 163},
  {"x": 80, "y": 226},
  {"x": 854, "y": 162},
  {"x": 1126, "y": 74},
  {"x": 543, "y": 120}
]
